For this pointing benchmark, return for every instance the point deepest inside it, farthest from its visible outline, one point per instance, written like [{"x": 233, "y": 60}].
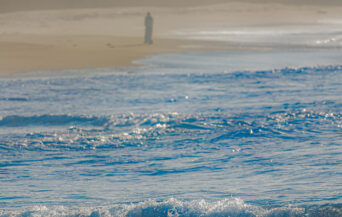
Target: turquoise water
[{"x": 195, "y": 134}]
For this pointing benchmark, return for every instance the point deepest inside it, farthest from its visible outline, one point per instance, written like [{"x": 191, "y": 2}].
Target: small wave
[
  {"x": 13, "y": 99},
  {"x": 50, "y": 120},
  {"x": 288, "y": 71},
  {"x": 233, "y": 207}
]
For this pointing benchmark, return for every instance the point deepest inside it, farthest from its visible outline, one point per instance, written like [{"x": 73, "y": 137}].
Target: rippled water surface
[{"x": 174, "y": 140}]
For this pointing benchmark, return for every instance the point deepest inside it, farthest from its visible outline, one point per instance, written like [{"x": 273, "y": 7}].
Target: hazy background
[
  {"x": 44, "y": 35},
  {"x": 17, "y": 5}
]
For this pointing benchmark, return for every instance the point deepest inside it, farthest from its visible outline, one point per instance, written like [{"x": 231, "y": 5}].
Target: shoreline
[
  {"x": 33, "y": 53},
  {"x": 28, "y": 53}
]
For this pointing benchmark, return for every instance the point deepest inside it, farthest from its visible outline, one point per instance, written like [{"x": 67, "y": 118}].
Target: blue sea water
[{"x": 193, "y": 134}]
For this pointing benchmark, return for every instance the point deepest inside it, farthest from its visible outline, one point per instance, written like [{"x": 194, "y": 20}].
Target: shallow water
[{"x": 172, "y": 139}]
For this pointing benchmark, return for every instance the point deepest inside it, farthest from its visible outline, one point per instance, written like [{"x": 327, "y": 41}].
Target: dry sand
[{"x": 91, "y": 38}]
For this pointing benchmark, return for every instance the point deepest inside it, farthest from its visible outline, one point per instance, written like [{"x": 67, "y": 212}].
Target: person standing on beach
[{"x": 148, "y": 28}]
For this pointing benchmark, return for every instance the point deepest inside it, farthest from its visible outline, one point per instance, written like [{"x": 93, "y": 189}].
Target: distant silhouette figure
[{"x": 148, "y": 28}]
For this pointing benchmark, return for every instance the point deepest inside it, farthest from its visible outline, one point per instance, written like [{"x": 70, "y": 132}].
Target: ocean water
[{"x": 193, "y": 134}]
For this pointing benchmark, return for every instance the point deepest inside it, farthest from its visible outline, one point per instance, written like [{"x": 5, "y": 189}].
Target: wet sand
[{"x": 24, "y": 53}]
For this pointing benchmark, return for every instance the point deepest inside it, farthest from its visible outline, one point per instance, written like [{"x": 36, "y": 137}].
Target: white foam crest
[
  {"x": 169, "y": 208},
  {"x": 321, "y": 34},
  {"x": 267, "y": 31},
  {"x": 330, "y": 41}
]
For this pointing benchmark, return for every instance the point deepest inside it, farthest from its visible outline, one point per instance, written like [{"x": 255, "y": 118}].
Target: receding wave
[{"x": 232, "y": 207}]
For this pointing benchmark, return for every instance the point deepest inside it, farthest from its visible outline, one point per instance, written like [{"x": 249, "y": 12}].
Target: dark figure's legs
[{"x": 148, "y": 36}]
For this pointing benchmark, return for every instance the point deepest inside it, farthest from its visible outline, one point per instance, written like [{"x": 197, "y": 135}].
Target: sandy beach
[
  {"x": 23, "y": 53},
  {"x": 109, "y": 37}
]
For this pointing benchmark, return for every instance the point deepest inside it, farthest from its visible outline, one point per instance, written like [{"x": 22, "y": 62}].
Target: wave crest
[{"x": 233, "y": 207}]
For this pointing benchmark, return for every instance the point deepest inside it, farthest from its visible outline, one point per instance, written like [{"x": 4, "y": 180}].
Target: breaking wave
[{"x": 232, "y": 207}]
